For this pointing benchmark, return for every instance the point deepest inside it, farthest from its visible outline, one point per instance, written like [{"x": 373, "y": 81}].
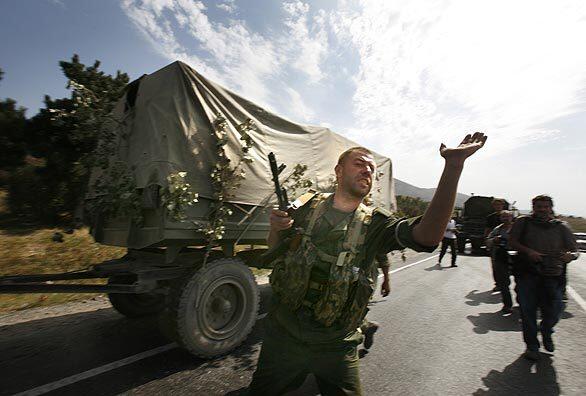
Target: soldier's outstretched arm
[{"x": 430, "y": 231}]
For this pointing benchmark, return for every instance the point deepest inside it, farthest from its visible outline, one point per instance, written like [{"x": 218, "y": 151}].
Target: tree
[
  {"x": 12, "y": 123},
  {"x": 66, "y": 132},
  {"x": 410, "y": 206}
]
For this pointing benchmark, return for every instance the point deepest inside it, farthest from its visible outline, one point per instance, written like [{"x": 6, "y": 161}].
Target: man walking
[
  {"x": 321, "y": 288},
  {"x": 449, "y": 240},
  {"x": 544, "y": 244},
  {"x": 493, "y": 220},
  {"x": 498, "y": 243}
]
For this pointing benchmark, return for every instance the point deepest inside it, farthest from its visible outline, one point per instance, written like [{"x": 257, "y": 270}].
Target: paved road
[{"x": 441, "y": 334}]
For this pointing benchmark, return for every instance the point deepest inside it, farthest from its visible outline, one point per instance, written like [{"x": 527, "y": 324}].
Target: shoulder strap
[
  {"x": 318, "y": 208},
  {"x": 357, "y": 231}
]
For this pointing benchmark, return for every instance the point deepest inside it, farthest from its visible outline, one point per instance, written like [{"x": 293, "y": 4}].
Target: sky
[{"x": 399, "y": 77}]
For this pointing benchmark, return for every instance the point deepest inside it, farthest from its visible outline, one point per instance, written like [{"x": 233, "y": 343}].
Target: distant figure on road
[
  {"x": 368, "y": 328},
  {"x": 498, "y": 243},
  {"x": 449, "y": 240},
  {"x": 544, "y": 244},
  {"x": 321, "y": 287},
  {"x": 493, "y": 220}
]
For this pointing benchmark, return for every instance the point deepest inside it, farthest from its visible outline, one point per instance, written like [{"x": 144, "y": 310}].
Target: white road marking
[
  {"x": 576, "y": 297},
  {"x": 410, "y": 265},
  {"x": 143, "y": 355},
  {"x": 96, "y": 371}
]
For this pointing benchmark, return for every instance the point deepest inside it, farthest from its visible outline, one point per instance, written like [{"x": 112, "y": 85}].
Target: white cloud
[
  {"x": 59, "y": 3},
  {"x": 229, "y": 6},
  {"x": 298, "y": 107},
  {"x": 430, "y": 71},
  {"x": 306, "y": 39},
  {"x": 237, "y": 57}
]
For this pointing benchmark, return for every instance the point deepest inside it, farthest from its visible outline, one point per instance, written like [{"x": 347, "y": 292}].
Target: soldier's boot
[{"x": 368, "y": 329}]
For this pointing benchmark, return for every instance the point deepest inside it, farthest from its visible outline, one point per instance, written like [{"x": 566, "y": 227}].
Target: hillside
[{"x": 425, "y": 194}]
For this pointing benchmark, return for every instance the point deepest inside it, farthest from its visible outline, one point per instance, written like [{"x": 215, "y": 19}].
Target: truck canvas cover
[{"x": 165, "y": 126}]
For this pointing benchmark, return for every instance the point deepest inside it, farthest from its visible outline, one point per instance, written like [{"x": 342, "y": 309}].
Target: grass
[{"x": 29, "y": 249}]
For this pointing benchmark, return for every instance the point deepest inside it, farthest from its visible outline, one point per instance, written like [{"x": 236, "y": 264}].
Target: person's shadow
[
  {"x": 476, "y": 298},
  {"x": 435, "y": 267},
  {"x": 523, "y": 377},
  {"x": 495, "y": 321}
]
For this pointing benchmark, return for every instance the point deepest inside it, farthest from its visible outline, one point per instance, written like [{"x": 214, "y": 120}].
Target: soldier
[{"x": 322, "y": 287}]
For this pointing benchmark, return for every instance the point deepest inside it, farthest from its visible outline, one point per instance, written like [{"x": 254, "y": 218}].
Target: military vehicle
[
  {"x": 471, "y": 222},
  {"x": 164, "y": 124}
]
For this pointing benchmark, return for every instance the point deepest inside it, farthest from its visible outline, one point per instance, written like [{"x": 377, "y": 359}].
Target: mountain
[{"x": 425, "y": 194}]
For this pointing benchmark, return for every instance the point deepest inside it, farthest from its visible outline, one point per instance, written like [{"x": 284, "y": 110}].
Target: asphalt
[{"x": 441, "y": 333}]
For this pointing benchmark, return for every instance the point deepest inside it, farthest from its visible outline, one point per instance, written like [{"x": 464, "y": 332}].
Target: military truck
[
  {"x": 163, "y": 126},
  {"x": 471, "y": 222}
]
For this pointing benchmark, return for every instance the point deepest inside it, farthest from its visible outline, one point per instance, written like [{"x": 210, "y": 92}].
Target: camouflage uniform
[{"x": 320, "y": 296}]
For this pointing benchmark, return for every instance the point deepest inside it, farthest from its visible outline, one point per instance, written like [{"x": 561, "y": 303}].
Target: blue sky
[{"x": 400, "y": 77}]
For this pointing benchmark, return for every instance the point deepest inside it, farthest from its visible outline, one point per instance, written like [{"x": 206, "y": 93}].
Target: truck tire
[
  {"x": 135, "y": 305},
  {"x": 212, "y": 311}
]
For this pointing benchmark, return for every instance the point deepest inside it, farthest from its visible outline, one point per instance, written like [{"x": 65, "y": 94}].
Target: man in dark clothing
[
  {"x": 498, "y": 243},
  {"x": 493, "y": 220},
  {"x": 544, "y": 244},
  {"x": 321, "y": 287}
]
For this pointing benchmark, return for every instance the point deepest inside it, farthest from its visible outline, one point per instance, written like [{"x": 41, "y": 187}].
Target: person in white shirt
[{"x": 449, "y": 240}]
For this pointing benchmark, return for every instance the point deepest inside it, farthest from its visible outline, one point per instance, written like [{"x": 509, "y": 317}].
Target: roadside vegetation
[
  {"x": 578, "y": 224},
  {"x": 29, "y": 248}
]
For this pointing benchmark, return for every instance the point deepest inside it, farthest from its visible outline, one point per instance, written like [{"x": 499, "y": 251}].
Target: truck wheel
[
  {"x": 212, "y": 311},
  {"x": 135, "y": 305}
]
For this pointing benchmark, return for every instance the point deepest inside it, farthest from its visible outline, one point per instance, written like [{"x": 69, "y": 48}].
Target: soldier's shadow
[{"x": 523, "y": 377}]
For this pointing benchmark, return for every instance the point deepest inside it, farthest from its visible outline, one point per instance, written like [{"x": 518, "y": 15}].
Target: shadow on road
[
  {"x": 476, "y": 298},
  {"x": 495, "y": 321},
  {"x": 435, "y": 267},
  {"x": 63, "y": 346},
  {"x": 523, "y": 377}
]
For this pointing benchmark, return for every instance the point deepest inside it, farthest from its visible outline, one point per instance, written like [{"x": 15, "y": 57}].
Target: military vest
[{"x": 344, "y": 296}]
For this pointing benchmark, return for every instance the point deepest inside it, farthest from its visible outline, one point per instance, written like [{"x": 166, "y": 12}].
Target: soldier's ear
[{"x": 338, "y": 170}]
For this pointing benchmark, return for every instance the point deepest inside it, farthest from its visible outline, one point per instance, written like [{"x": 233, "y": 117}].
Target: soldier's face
[
  {"x": 356, "y": 173},
  {"x": 542, "y": 209}
]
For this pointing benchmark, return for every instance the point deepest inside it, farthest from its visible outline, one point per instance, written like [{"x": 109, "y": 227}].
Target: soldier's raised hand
[{"x": 469, "y": 145}]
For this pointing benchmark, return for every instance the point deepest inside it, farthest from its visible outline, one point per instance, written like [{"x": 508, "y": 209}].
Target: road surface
[{"x": 441, "y": 334}]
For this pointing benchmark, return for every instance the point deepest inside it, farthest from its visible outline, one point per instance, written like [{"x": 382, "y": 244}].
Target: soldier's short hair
[
  {"x": 543, "y": 198},
  {"x": 346, "y": 153},
  {"x": 496, "y": 200}
]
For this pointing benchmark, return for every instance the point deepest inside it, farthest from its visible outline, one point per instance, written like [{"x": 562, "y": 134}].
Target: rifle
[
  {"x": 290, "y": 238},
  {"x": 276, "y": 170}
]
